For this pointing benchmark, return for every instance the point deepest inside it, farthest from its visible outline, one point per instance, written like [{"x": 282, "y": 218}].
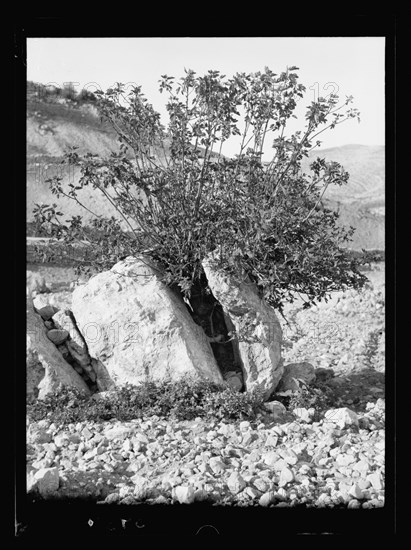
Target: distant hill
[
  {"x": 361, "y": 202},
  {"x": 366, "y": 166},
  {"x": 56, "y": 122}
]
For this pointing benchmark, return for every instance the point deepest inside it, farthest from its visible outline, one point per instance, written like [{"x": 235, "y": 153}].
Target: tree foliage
[{"x": 179, "y": 198}]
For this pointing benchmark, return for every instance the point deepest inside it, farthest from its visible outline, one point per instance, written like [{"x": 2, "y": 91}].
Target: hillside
[
  {"x": 57, "y": 123},
  {"x": 366, "y": 166}
]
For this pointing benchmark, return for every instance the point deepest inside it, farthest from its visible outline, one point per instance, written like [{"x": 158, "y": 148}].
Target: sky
[{"x": 346, "y": 66}]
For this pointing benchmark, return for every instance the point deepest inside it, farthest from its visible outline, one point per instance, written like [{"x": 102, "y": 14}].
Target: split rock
[{"x": 259, "y": 334}]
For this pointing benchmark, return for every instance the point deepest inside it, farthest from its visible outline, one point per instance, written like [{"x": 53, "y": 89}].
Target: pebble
[
  {"x": 271, "y": 441},
  {"x": 270, "y": 458},
  {"x": 236, "y": 482},
  {"x": 354, "y": 504},
  {"x": 303, "y": 414},
  {"x": 267, "y": 498},
  {"x": 356, "y": 491},
  {"x": 343, "y": 417},
  {"x": 57, "y": 336},
  {"x": 286, "y": 476},
  {"x": 276, "y": 409},
  {"x": 217, "y": 465},
  {"x": 244, "y": 426},
  {"x": 47, "y": 312},
  {"x": 47, "y": 480},
  {"x": 375, "y": 480},
  {"x": 86, "y": 433}
]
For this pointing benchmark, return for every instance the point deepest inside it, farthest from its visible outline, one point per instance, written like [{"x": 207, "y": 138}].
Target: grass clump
[{"x": 183, "y": 400}]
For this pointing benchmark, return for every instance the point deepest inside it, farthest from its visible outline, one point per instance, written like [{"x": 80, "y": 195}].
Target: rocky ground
[{"x": 280, "y": 459}]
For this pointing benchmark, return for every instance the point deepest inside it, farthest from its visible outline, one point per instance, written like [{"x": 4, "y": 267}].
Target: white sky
[{"x": 350, "y": 65}]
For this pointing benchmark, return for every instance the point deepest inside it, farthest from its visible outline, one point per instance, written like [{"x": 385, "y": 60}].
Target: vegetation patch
[{"x": 183, "y": 400}]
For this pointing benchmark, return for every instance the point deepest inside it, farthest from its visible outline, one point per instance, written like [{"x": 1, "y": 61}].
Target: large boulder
[
  {"x": 46, "y": 368},
  {"x": 258, "y": 331},
  {"x": 140, "y": 329}
]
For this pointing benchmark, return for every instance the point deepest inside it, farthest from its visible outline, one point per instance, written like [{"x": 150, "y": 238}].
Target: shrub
[
  {"x": 229, "y": 404},
  {"x": 68, "y": 92},
  {"x": 182, "y": 400},
  {"x": 179, "y": 198},
  {"x": 65, "y": 405}
]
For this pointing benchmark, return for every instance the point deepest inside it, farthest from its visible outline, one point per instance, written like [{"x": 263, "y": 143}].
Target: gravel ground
[
  {"x": 336, "y": 461},
  {"x": 276, "y": 461}
]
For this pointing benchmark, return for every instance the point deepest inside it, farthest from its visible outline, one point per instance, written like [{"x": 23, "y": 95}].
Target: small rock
[
  {"x": 36, "y": 435},
  {"x": 127, "y": 445},
  {"x": 376, "y": 480},
  {"x": 295, "y": 372},
  {"x": 236, "y": 483},
  {"x": 234, "y": 382},
  {"x": 160, "y": 500},
  {"x": 342, "y": 417},
  {"x": 90, "y": 454},
  {"x": 380, "y": 404},
  {"x": 121, "y": 432},
  {"x": 251, "y": 492},
  {"x": 281, "y": 493},
  {"x": 184, "y": 495},
  {"x": 79, "y": 354},
  {"x": 57, "y": 336},
  {"x": 217, "y": 465},
  {"x": 289, "y": 456},
  {"x": 356, "y": 491},
  {"x": 31, "y": 481},
  {"x": 225, "y": 429},
  {"x": 43, "y": 463},
  {"x": 47, "y": 480},
  {"x": 112, "y": 498},
  {"x": 244, "y": 426},
  {"x": 260, "y": 485},
  {"x": 380, "y": 445},
  {"x": 86, "y": 433},
  {"x": 267, "y": 498},
  {"x": 354, "y": 504},
  {"x": 302, "y": 414},
  {"x": 286, "y": 476},
  {"x": 276, "y": 408},
  {"x": 248, "y": 438},
  {"x": 292, "y": 427},
  {"x": 363, "y": 466},
  {"x": 271, "y": 441},
  {"x": 141, "y": 486},
  {"x": 47, "y": 312},
  {"x": 344, "y": 460},
  {"x": 363, "y": 484},
  {"x": 61, "y": 440},
  {"x": 270, "y": 458}
]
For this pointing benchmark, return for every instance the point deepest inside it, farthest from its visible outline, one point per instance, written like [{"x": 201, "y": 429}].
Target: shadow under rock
[{"x": 355, "y": 390}]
